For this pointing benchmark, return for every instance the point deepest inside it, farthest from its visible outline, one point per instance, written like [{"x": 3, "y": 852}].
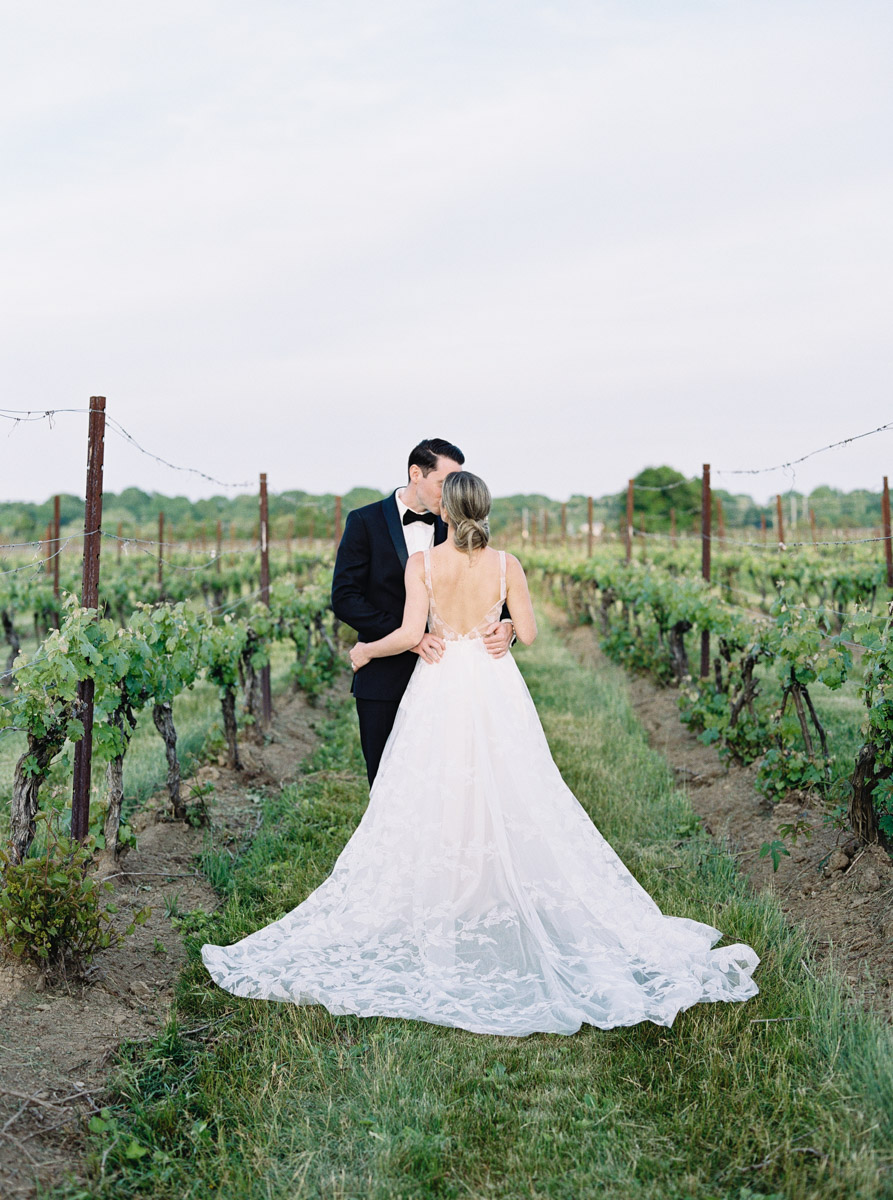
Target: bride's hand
[{"x": 359, "y": 656}]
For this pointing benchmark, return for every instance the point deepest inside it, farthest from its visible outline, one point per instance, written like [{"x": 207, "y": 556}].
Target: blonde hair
[{"x": 466, "y": 502}]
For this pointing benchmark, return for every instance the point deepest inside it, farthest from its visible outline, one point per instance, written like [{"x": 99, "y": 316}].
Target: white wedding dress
[{"x": 476, "y": 892}]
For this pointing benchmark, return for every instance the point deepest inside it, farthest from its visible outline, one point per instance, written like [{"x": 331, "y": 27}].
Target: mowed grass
[{"x": 787, "y": 1096}]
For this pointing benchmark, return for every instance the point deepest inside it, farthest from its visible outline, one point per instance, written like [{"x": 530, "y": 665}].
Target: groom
[{"x": 368, "y": 591}]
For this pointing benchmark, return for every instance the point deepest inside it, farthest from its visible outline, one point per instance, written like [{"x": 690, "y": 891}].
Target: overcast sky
[{"x": 577, "y": 238}]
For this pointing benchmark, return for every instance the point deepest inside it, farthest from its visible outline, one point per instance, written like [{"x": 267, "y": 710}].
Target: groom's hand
[
  {"x": 430, "y": 648},
  {"x": 498, "y": 638}
]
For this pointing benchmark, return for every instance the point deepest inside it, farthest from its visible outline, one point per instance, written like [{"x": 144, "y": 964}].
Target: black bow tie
[{"x": 409, "y": 516}]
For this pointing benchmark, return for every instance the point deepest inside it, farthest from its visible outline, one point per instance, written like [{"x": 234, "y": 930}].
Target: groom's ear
[{"x": 415, "y": 473}]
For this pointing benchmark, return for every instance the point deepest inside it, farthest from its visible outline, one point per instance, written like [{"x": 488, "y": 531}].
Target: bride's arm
[
  {"x": 415, "y": 618},
  {"x": 517, "y": 597}
]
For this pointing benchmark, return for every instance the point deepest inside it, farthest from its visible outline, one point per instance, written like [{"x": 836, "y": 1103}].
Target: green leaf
[{"x": 776, "y": 849}]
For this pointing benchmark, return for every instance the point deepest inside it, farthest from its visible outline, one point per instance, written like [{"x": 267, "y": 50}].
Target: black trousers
[{"x": 376, "y": 722}]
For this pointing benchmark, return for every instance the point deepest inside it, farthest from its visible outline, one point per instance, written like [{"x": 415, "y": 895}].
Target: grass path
[{"x": 788, "y": 1096}]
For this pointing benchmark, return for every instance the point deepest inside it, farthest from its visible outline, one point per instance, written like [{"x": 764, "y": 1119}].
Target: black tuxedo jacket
[{"x": 369, "y": 594}]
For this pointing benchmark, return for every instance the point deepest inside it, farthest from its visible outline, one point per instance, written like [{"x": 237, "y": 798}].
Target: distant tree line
[{"x": 658, "y": 492}]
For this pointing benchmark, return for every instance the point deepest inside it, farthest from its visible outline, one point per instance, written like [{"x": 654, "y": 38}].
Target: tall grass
[{"x": 787, "y": 1096}]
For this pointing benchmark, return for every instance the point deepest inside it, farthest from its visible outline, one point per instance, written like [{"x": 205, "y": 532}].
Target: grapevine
[
  {"x": 146, "y": 661},
  {"x": 769, "y": 656}
]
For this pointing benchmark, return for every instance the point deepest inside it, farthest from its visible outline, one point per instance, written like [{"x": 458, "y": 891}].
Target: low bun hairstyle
[{"x": 466, "y": 502}]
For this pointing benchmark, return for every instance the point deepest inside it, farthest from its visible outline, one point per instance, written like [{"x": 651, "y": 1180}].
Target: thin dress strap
[
  {"x": 435, "y": 624},
  {"x": 427, "y": 558},
  {"x": 502, "y": 577}
]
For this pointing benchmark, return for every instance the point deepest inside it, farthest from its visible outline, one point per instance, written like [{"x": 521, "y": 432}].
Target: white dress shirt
[{"x": 418, "y": 535}]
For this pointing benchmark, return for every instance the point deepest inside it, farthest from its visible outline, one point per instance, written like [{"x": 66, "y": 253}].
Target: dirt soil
[
  {"x": 840, "y": 893},
  {"x": 57, "y": 1044}
]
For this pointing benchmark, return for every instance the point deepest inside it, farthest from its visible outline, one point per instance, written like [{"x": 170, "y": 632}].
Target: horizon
[
  {"x": 273, "y": 493},
  {"x": 576, "y": 238}
]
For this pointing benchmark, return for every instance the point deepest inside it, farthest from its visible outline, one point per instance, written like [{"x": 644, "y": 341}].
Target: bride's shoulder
[
  {"x": 513, "y": 568},
  {"x": 494, "y": 552}
]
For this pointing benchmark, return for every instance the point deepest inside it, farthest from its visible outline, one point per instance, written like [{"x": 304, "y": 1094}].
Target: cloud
[{"x": 345, "y": 221}]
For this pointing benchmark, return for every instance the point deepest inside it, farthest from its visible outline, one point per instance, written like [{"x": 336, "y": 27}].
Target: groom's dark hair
[{"x": 426, "y": 454}]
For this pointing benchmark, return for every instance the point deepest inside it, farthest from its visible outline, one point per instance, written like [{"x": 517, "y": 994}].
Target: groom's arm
[{"x": 350, "y": 583}]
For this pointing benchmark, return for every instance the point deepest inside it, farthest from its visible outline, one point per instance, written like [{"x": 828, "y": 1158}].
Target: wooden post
[
  {"x": 780, "y": 522},
  {"x": 337, "y": 521},
  {"x": 83, "y": 749},
  {"x": 673, "y": 541},
  {"x": 888, "y": 546},
  {"x": 629, "y": 520},
  {"x": 161, "y": 556},
  {"x": 57, "y": 527},
  {"x": 545, "y": 527},
  {"x": 706, "y": 507},
  {"x": 266, "y": 693},
  {"x": 812, "y": 524},
  {"x": 763, "y": 526},
  {"x": 590, "y": 534}
]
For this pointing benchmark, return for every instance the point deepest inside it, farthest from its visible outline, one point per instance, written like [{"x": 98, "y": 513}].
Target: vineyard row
[
  {"x": 756, "y": 701},
  {"x": 156, "y": 653}
]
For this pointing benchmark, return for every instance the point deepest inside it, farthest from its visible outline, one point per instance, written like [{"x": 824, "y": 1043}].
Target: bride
[{"x": 476, "y": 892}]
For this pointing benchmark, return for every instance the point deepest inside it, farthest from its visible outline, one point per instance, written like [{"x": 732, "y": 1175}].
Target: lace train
[{"x": 477, "y": 893}]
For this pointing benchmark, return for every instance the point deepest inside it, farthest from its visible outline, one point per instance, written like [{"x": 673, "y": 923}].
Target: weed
[{"x": 51, "y": 910}]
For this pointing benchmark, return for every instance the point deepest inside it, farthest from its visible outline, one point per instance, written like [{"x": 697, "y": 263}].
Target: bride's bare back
[
  {"x": 463, "y": 595},
  {"x": 466, "y": 592}
]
